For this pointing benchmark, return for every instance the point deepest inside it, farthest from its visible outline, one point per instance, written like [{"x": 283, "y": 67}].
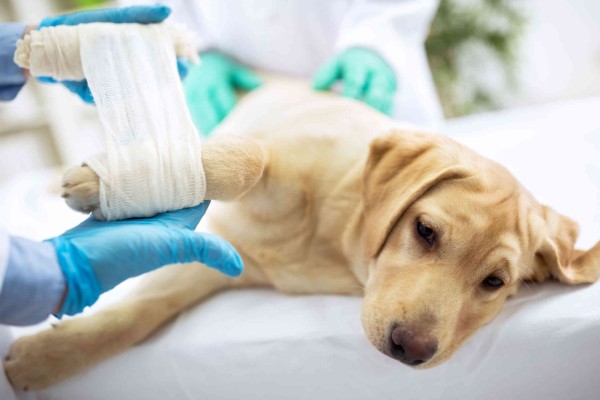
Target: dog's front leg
[{"x": 232, "y": 165}]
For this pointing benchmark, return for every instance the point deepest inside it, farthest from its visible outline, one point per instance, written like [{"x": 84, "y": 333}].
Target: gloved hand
[
  {"x": 134, "y": 14},
  {"x": 366, "y": 76},
  {"x": 210, "y": 88},
  {"x": 96, "y": 256}
]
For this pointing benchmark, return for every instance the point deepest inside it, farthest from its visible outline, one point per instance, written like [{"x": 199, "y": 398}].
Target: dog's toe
[{"x": 81, "y": 189}]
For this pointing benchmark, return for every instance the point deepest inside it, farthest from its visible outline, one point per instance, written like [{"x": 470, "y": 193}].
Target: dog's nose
[{"x": 410, "y": 346}]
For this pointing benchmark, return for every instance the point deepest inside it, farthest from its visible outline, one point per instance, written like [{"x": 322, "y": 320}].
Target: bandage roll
[
  {"x": 38, "y": 53},
  {"x": 56, "y": 51}
]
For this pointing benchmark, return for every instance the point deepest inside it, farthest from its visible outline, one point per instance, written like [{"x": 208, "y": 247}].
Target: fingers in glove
[
  {"x": 218, "y": 254},
  {"x": 327, "y": 75},
  {"x": 140, "y": 14},
  {"x": 184, "y": 246},
  {"x": 182, "y": 68},
  {"x": 186, "y": 218},
  {"x": 380, "y": 93},
  {"x": 46, "y": 79},
  {"x": 204, "y": 112},
  {"x": 199, "y": 95},
  {"x": 245, "y": 78},
  {"x": 224, "y": 99},
  {"x": 134, "y": 14},
  {"x": 81, "y": 89},
  {"x": 355, "y": 81},
  {"x": 382, "y": 103}
]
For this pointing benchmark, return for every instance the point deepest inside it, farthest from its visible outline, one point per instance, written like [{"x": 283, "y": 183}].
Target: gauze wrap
[{"x": 153, "y": 155}]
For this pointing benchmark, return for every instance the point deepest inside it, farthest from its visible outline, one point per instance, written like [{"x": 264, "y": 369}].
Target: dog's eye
[
  {"x": 492, "y": 283},
  {"x": 426, "y": 233}
]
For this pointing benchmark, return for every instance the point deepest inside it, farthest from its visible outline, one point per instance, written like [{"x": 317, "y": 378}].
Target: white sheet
[{"x": 260, "y": 344}]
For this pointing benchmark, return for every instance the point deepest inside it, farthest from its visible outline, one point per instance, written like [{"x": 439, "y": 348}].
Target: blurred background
[{"x": 485, "y": 55}]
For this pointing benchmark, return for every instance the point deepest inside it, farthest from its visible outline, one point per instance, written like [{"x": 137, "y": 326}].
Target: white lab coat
[
  {"x": 4, "y": 243},
  {"x": 6, "y": 336},
  {"x": 295, "y": 37}
]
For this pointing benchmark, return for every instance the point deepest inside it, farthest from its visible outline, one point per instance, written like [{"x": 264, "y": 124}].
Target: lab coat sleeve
[
  {"x": 4, "y": 244},
  {"x": 11, "y": 76},
  {"x": 187, "y": 13},
  {"x": 6, "y": 335},
  {"x": 33, "y": 282},
  {"x": 396, "y": 30}
]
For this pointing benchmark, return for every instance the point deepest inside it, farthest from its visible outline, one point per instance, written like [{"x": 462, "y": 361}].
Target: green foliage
[
  {"x": 476, "y": 30},
  {"x": 88, "y": 3}
]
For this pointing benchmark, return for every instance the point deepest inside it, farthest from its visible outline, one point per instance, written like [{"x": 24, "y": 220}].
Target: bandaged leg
[
  {"x": 153, "y": 155},
  {"x": 232, "y": 166}
]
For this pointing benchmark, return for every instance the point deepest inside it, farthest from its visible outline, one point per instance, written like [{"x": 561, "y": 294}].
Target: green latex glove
[
  {"x": 365, "y": 76},
  {"x": 210, "y": 88}
]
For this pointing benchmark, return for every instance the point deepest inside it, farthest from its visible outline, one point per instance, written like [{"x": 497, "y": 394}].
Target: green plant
[{"x": 469, "y": 39}]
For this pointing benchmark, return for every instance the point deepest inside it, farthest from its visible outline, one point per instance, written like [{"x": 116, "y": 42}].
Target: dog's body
[
  {"x": 290, "y": 228},
  {"x": 344, "y": 201}
]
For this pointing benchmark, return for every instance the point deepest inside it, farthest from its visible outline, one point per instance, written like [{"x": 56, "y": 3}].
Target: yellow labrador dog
[{"x": 333, "y": 197}]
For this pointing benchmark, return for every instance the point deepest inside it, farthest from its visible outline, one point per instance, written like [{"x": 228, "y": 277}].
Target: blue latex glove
[
  {"x": 365, "y": 76},
  {"x": 210, "y": 88},
  {"x": 96, "y": 256},
  {"x": 134, "y": 14}
]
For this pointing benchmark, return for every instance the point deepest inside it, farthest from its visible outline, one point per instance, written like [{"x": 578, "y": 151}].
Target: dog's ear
[
  {"x": 401, "y": 167},
  {"x": 557, "y": 257}
]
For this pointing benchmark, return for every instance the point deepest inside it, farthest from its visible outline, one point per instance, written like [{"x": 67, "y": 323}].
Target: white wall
[
  {"x": 560, "y": 51},
  {"x": 560, "y": 60}
]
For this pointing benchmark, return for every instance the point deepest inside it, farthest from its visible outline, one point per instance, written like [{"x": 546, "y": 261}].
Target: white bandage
[{"x": 153, "y": 156}]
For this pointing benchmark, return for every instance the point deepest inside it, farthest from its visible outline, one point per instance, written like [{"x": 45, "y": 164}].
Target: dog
[{"x": 325, "y": 195}]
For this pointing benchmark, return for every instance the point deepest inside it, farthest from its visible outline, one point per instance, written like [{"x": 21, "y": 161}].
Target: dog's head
[{"x": 449, "y": 236}]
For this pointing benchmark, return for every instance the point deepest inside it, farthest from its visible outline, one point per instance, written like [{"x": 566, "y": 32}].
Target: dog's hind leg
[{"x": 40, "y": 360}]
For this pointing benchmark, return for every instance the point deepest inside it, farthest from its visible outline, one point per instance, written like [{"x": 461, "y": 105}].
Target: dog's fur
[{"x": 333, "y": 197}]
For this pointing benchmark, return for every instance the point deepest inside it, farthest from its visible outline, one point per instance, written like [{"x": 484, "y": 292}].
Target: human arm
[
  {"x": 394, "y": 31},
  {"x": 34, "y": 284},
  {"x": 12, "y": 78},
  {"x": 210, "y": 88},
  {"x": 365, "y": 75},
  {"x": 65, "y": 274}
]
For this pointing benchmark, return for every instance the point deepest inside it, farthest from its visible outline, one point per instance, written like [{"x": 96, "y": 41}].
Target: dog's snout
[{"x": 411, "y": 346}]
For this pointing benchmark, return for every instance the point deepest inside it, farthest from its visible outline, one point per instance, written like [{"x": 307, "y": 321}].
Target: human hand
[
  {"x": 134, "y": 14},
  {"x": 96, "y": 256},
  {"x": 210, "y": 88},
  {"x": 365, "y": 76}
]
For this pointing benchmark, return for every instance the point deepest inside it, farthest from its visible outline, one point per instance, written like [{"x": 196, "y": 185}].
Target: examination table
[{"x": 260, "y": 344}]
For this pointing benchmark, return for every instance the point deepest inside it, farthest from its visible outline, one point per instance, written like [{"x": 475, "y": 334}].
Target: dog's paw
[
  {"x": 38, "y": 361},
  {"x": 81, "y": 190}
]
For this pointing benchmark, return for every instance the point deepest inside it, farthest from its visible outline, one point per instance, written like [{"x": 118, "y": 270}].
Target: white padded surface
[{"x": 260, "y": 344}]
